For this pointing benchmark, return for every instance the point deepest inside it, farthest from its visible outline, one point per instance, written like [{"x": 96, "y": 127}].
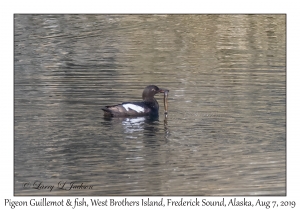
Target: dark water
[{"x": 226, "y": 129}]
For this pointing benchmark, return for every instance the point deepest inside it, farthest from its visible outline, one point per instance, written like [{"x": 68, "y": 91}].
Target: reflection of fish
[{"x": 148, "y": 106}]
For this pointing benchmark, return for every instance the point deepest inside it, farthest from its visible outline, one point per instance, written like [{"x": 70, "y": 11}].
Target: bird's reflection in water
[
  {"x": 148, "y": 126},
  {"x": 131, "y": 125}
]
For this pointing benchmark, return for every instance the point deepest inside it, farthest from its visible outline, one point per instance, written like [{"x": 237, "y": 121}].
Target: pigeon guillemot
[{"x": 148, "y": 106}]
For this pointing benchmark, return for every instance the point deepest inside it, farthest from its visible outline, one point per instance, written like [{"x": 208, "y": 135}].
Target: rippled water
[{"x": 225, "y": 133}]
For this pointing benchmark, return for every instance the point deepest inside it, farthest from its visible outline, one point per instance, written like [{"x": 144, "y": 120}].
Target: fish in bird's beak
[
  {"x": 165, "y": 91},
  {"x": 165, "y": 101}
]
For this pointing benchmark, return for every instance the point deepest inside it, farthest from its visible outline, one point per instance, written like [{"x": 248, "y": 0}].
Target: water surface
[{"x": 225, "y": 133}]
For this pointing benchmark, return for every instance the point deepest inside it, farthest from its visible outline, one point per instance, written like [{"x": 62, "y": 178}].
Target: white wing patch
[{"x": 136, "y": 108}]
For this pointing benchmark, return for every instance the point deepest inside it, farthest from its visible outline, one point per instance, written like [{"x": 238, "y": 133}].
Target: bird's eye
[{"x": 153, "y": 89}]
